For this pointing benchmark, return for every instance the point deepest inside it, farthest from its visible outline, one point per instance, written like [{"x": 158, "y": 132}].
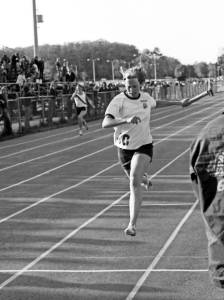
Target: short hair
[{"x": 133, "y": 73}]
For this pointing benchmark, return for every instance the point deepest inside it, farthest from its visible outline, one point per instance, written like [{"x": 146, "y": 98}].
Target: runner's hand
[{"x": 133, "y": 120}]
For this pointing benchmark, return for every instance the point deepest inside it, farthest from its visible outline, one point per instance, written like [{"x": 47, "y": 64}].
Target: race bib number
[
  {"x": 124, "y": 139},
  {"x": 220, "y": 187}
]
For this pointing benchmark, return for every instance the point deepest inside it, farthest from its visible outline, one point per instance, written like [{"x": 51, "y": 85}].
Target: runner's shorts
[
  {"x": 79, "y": 109},
  {"x": 125, "y": 155}
]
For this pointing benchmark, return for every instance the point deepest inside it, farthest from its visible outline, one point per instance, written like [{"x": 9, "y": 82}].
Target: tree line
[{"x": 107, "y": 56}]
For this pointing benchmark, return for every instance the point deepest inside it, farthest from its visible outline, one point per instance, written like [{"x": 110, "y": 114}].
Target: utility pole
[
  {"x": 35, "y": 48},
  {"x": 112, "y": 67},
  {"x": 94, "y": 68}
]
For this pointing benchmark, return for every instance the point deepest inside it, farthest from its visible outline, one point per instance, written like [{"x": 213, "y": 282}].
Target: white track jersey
[
  {"x": 80, "y": 100},
  {"x": 132, "y": 136}
]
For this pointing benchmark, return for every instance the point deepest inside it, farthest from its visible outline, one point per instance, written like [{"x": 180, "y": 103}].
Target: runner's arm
[
  {"x": 110, "y": 121},
  {"x": 164, "y": 103}
]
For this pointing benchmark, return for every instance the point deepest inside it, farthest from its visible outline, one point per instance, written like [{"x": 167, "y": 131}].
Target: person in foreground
[
  {"x": 129, "y": 114},
  {"x": 207, "y": 175},
  {"x": 81, "y": 104}
]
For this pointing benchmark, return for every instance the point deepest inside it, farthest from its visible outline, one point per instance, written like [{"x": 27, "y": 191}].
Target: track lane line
[
  {"x": 55, "y": 152},
  {"x": 49, "y": 144},
  {"x": 58, "y": 141},
  {"x": 68, "y": 131},
  {"x": 86, "y": 180},
  {"x": 71, "y": 147},
  {"x": 74, "y": 232},
  {"x": 105, "y": 271},
  {"x": 12, "y": 278},
  {"x": 45, "y": 137},
  {"x": 162, "y": 251}
]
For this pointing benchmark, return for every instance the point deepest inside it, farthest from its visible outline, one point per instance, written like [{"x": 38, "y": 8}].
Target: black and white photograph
[{"x": 111, "y": 150}]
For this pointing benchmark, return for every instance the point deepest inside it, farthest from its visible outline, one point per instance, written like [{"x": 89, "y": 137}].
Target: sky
[{"x": 188, "y": 30}]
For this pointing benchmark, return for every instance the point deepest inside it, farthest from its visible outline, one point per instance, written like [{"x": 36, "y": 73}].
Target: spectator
[
  {"x": 65, "y": 70},
  {"x": 5, "y": 59},
  {"x": 14, "y": 61},
  {"x": 58, "y": 67},
  {"x": 21, "y": 79},
  {"x": 24, "y": 65},
  {"x": 41, "y": 68},
  {"x": 34, "y": 72},
  {"x": 4, "y": 72},
  {"x": 52, "y": 101},
  {"x": 103, "y": 87},
  {"x": 4, "y": 115},
  {"x": 210, "y": 87},
  {"x": 207, "y": 175},
  {"x": 27, "y": 103},
  {"x": 72, "y": 77}
]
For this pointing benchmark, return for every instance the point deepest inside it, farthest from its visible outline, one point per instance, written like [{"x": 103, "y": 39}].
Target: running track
[{"x": 64, "y": 205}]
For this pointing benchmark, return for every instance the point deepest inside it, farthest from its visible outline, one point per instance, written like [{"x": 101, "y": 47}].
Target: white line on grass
[{"x": 153, "y": 264}]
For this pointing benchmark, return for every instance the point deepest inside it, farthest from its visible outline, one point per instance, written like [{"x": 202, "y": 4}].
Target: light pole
[
  {"x": 112, "y": 67},
  {"x": 36, "y": 19},
  {"x": 36, "y": 52},
  {"x": 93, "y": 64},
  {"x": 154, "y": 54}
]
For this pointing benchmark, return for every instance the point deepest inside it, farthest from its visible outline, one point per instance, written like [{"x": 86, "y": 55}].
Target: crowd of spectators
[
  {"x": 20, "y": 67},
  {"x": 24, "y": 77},
  {"x": 65, "y": 71}
]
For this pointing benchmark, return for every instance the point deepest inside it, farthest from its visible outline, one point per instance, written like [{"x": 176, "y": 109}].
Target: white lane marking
[
  {"x": 58, "y": 141},
  {"x": 55, "y": 246},
  {"x": 45, "y": 137},
  {"x": 56, "y": 194},
  {"x": 68, "y": 163},
  {"x": 71, "y": 234},
  {"x": 54, "y": 169},
  {"x": 153, "y": 264},
  {"x": 159, "y": 204},
  {"x": 47, "y": 144},
  {"x": 105, "y": 271},
  {"x": 56, "y": 152},
  {"x": 71, "y": 187},
  {"x": 14, "y": 276},
  {"x": 40, "y": 157},
  {"x": 73, "y": 130}
]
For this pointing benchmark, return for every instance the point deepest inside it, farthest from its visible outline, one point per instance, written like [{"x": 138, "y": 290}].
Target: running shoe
[
  {"x": 80, "y": 132},
  {"x": 130, "y": 230}
]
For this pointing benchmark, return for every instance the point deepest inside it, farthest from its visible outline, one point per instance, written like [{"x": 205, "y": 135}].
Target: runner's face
[{"x": 132, "y": 87}]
